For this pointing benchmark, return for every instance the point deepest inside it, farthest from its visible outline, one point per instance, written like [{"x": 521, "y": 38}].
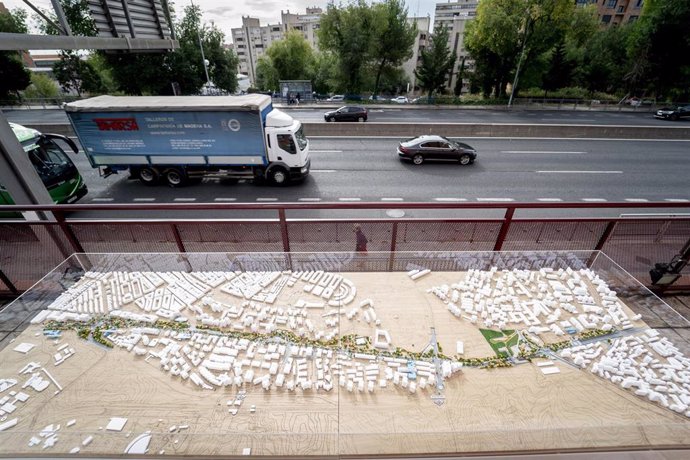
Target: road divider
[{"x": 404, "y": 130}]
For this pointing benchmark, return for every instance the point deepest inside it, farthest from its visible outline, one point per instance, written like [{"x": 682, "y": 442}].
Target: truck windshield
[
  {"x": 51, "y": 163},
  {"x": 301, "y": 138}
]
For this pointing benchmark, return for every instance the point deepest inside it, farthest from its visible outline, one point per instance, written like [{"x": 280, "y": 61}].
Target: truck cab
[{"x": 288, "y": 148}]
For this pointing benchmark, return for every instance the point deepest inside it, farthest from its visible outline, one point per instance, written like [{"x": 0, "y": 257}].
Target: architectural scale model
[{"x": 245, "y": 344}]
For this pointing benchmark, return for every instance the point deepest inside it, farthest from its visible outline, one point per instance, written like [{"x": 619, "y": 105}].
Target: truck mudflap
[{"x": 300, "y": 173}]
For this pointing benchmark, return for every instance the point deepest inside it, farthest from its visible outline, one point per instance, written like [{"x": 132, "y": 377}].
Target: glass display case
[{"x": 328, "y": 354}]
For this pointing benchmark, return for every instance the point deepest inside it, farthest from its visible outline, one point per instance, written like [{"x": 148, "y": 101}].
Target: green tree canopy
[
  {"x": 437, "y": 62},
  {"x": 505, "y": 29},
  {"x": 13, "y": 76},
  {"x": 662, "y": 45},
  {"x": 346, "y": 32},
  {"x": 291, "y": 57},
  {"x": 74, "y": 73},
  {"x": 393, "y": 37}
]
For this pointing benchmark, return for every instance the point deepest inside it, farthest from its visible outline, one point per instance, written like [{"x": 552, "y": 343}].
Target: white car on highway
[
  {"x": 336, "y": 98},
  {"x": 400, "y": 100}
]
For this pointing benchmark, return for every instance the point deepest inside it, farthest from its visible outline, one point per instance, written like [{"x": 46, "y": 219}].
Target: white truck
[{"x": 178, "y": 139}]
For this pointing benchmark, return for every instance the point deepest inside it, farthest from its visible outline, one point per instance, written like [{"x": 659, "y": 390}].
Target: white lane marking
[
  {"x": 326, "y": 151},
  {"x": 349, "y": 199},
  {"x": 391, "y": 199},
  {"x": 144, "y": 199},
  {"x": 637, "y": 200},
  {"x": 225, "y": 199},
  {"x": 322, "y": 170},
  {"x": 450, "y": 199},
  {"x": 309, "y": 199},
  {"x": 541, "y": 151},
  {"x": 103, "y": 199},
  {"x": 677, "y": 200},
  {"x": 579, "y": 172},
  {"x": 594, "y": 200},
  {"x": 495, "y": 199},
  {"x": 549, "y": 199},
  {"x": 267, "y": 199},
  {"x": 184, "y": 199},
  {"x": 552, "y": 120}
]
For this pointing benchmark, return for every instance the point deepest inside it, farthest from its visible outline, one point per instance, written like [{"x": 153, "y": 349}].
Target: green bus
[{"x": 54, "y": 167}]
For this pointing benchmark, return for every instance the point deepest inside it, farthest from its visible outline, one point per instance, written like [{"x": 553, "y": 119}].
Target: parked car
[
  {"x": 423, "y": 148},
  {"x": 377, "y": 97},
  {"x": 668, "y": 113},
  {"x": 347, "y": 113},
  {"x": 336, "y": 98},
  {"x": 634, "y": 101},
  {"x": 400, "y": 100}
]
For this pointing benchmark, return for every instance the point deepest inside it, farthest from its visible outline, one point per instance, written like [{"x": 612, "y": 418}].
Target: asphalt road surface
[
  {"x": 402, "y": 114},
  {"x": 506, "y": 171}
]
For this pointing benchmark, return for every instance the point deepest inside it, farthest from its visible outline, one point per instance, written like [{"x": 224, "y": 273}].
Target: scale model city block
[{"x": 315, "y": 332}]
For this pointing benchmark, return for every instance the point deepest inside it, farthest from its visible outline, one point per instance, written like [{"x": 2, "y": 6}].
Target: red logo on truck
[{"x": 116, "y": 124}]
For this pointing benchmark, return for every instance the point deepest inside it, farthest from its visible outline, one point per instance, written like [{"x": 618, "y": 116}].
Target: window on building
[
  {"x": 632, "y": 18},
  {"x": 606, "y": 18},
  {"x": 239, "y": 39},
  {"x": 611, "y": 3},
  {"x": 639, "y": 4},
  {"x": 621, "y": 9},
  {"x": 258, "y": 45}
]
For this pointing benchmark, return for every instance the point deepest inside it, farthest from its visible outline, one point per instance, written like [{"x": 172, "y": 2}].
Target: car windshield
[{"x": 301, "y": 139}]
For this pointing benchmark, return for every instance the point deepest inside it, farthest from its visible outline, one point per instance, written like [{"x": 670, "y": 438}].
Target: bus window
[{"x": 51, "y": 163}]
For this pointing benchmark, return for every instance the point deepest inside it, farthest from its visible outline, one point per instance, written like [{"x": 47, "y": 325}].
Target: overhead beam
[{"x": 51, "y": 42}]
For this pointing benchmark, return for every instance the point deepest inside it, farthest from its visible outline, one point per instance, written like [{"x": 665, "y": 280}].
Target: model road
[
  {"x": 507, "y": 170},
  {"x": 406, "y": 114}
]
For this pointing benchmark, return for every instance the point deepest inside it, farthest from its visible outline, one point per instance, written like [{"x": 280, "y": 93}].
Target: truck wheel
[
  {"x": 278, "y": 176},
  {"x": 148, "y": 176},
  {"x": 175, "y": 177}
]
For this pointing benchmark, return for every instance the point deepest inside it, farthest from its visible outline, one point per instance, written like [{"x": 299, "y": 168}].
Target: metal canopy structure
[
  {"x": 73, "y": 42},
  {"x": 142, "y": 19}
]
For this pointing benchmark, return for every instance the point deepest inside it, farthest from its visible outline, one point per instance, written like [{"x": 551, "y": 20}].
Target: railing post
[
  {"x": 285, "y": 236},
  {"x": 8, "y": 283},
  {"x": 504, "y": 228},
  {"x": 394, "y": 243},
  {"x": 605, "y": 236},
  {"x": 69, "y": 234},
  {"x": 178, "y": 238}
]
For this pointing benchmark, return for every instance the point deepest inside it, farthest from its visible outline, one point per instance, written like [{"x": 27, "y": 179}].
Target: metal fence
[{"x": 30, "y": 249}]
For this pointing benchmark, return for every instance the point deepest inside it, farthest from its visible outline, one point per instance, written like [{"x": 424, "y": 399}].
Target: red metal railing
[{"x": 29, "y": 249}]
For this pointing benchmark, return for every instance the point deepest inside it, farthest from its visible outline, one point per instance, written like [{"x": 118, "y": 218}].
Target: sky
[{"x": 227, "y": 14}]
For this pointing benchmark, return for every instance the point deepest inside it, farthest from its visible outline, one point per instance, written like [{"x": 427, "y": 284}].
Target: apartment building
[
  {"x": 616, "y": 12},
  {"x": 420, "y": 44},
  {"x": 455, "y": 15},
  {"x": 253, "y": 39},
  {"x": 308, "y": 24}
]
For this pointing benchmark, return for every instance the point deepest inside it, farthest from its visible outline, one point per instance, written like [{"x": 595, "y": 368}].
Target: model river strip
[{"x": 319, "y": 363}]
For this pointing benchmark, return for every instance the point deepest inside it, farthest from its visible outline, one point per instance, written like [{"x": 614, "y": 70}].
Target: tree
[
  {"x": 73, "y": 73},
  {"x": 266, "y": 74},
  {"x": 559, "y": 71},
  {"x": 437, "y": 62},
  {"x": 13, "y": 76},
  {"x": 42, "y": 87},
  {"x": 77, "y": 15},
  {"x": 291, "y": 57},
  {"x": 662, "y": 45},
  {"x": 323, "y": 72},
  {"x": 346, "y": 32},
  {"x": 507, "y": 31},
  {"x": 393, "y": 37}
]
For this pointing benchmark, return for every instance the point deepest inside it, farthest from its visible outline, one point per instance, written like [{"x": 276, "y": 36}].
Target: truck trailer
[{"x": 179, "y": 139}]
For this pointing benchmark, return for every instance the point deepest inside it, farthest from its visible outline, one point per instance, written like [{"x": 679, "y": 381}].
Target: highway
[
  {"x": 507, "y": 170},
  {"x": 415, "y": 114}
]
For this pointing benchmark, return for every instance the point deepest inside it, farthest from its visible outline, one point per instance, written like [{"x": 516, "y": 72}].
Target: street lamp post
[{"x": 201, "y": 47}]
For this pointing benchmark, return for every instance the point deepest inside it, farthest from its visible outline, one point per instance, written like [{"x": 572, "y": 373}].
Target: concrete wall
[{"x": 465, "y": 130}]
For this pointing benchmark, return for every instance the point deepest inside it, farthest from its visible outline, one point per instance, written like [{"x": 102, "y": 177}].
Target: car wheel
[
  {"x": 331, "y": 119},
  {"x": 360, "y": 119},
  {"x": 175, "y": 177},
  {"x": 418, "y": 159},
  {"x": 465, "y": 159},
  {"x": 674, "y": 117},
  {"x": 148, "y": 176},
  {"x": 278, "y": 176}
]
